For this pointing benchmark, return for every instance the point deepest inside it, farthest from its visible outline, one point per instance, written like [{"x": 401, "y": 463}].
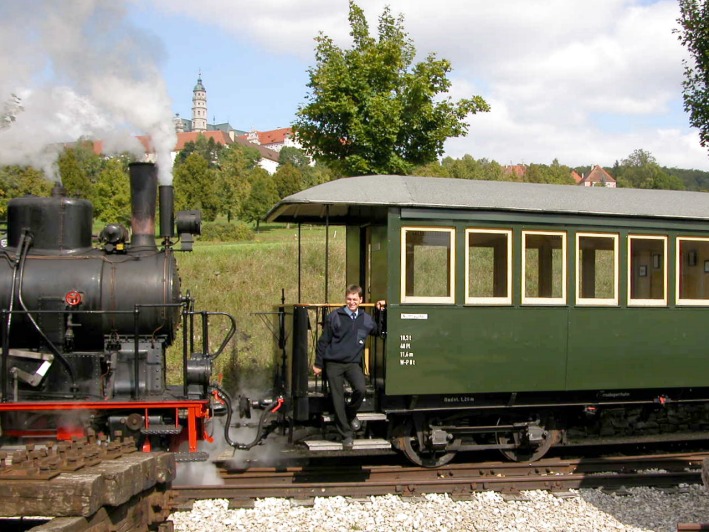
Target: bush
[{"x": 226, "y": 232}]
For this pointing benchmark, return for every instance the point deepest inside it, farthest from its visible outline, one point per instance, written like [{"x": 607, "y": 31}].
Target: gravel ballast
[{"x": 634, "y": 509}]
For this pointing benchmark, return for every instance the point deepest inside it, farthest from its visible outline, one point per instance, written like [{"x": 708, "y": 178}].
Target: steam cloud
[{"x": 79, "y": 68}]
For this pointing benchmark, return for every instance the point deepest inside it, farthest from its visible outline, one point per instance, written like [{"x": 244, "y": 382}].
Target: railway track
[{"x": 243, "y": 486}]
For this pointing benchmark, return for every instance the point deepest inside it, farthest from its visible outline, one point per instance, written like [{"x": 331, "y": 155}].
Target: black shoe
[
  {"x": 347, "y": 444},
  {"x": 356, "y": 424}
]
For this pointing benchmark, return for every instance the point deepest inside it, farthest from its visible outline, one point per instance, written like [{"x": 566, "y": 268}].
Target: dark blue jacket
[{"x": 343, "y": 338}]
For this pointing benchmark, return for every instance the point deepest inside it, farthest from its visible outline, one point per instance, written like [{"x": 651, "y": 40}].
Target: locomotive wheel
[
  {"x": 524, "y": 452},
  {"x": 407, "y": 442}
]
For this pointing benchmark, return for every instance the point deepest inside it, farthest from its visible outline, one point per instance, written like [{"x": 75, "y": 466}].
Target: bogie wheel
[
  {"x": 526, "y": 451},
  {"x": 407, "y": 442}
]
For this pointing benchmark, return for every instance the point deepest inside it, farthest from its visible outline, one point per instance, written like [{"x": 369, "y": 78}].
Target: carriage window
[
  {"x": 488, "y": 266},
  {"x": 647, "y": 275},
  {"x": 427, "y": 262},
  {"x": 693, "y": 271},
  {"x": 596, "y": 269},
  {"x": 544, "y": 268}
]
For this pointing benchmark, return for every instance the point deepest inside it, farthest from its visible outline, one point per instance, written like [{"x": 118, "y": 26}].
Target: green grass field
[{"x": 246, "y": 278}]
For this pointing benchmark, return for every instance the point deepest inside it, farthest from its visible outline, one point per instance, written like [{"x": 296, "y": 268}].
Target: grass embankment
[{"x": 246, "y": 278}]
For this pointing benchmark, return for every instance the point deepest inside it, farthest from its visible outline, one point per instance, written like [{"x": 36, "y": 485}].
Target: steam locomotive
[{"x": 84, "y": 329}]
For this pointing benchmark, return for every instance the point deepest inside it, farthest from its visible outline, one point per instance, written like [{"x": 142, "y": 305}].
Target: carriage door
[{"x": 375, "y": 287}]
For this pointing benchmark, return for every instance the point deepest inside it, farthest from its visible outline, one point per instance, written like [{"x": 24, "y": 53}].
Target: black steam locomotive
[{"x": 85, "y": 329}]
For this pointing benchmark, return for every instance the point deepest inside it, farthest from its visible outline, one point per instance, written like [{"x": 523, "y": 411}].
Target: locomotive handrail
[{"x": 230, "y": 334}]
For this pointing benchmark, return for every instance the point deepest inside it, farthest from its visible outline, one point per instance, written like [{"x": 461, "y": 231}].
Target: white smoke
[{"x": 80, "y": 69}]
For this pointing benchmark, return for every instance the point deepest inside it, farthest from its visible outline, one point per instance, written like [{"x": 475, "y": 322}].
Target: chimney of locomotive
[
  {"x": 143, "y": 192},
  {"x": 166, "y": 198}
]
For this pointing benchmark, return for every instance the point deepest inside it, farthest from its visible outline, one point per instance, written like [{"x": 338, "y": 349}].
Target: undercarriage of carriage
[{"x": 432, "y": 437}]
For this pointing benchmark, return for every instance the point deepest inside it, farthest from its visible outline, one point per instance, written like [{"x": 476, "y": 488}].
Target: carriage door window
[
  {"x": 488, "y": 267},
  {"x": 596, "y": 269},
  {"x": 647, "y": 277},
  {"x": 427, "y": 261},
  {"x": 544, "y": 268},
  {"x": 693, "y": 271}
]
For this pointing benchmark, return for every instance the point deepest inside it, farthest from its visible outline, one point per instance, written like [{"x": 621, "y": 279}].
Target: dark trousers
[{"x": 337, "y": 374}]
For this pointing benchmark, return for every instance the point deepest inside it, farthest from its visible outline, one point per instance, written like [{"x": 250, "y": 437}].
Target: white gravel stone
[{"x": 641, "y": 509}]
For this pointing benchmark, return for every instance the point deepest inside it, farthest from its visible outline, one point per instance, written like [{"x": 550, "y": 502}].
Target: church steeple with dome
[{"x": 199, "y": 106}]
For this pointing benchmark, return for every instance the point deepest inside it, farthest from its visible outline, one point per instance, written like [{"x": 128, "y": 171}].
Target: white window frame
[
  {"x": 678, "y": 272},
  {"x": 438, "y": 300},
  {"x": 502, "y": 300},
  {"x": 648, "y": 302},
  {"x": 544, "y": 300},
  {"x": 598, "y": 302}
]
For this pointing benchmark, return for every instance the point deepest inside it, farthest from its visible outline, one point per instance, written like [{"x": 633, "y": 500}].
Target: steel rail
[{"x": 243, "y": 486}]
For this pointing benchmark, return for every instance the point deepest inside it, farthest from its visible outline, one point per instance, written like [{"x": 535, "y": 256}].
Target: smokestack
[
  {"x": 167, "y": 211},
  {"x": 143, "y": 192}
]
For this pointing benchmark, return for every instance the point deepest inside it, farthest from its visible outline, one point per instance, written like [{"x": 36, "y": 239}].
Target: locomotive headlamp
[
  {"x": 73, "y": 298},
  {"x": 189, "y": 222},
  {"x": 114, "y": 238}
]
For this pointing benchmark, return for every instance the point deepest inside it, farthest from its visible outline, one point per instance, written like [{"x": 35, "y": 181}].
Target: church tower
[{"x": 199, "y": 106}]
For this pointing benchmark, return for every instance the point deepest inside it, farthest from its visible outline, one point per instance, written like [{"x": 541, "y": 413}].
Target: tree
[
  {"x": 209, "y": 149},
  {"x": 294, "y": 156},
  {"x": 694, "y": 35},
  {"x": 112, "y": 193},
  {"x": 371, "y": 109},
  {"x": 235, "y": 166},
  {"x": 262, "y": 197},
  {"x": 194, "y": 184},
  {"x": 16, "y": 181},
  {"x": 640, "y": 170},
  {"x": 79, "y": 168},
  {"x": 288, "y": 180}
]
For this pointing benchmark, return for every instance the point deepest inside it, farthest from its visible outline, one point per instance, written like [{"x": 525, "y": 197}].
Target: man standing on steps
[{"x": 339, "y": 352}]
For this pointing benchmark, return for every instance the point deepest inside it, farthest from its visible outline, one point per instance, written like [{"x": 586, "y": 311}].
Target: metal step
[
  {"x": 359, "y": 445},
  {"x": 162, "y": 430},
  {"x": 199, "y": 456},
  {"x": 362, "y": 416}
]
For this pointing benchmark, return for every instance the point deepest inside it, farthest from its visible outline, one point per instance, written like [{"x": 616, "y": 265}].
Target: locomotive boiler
[{"x": 85, "y": 328}]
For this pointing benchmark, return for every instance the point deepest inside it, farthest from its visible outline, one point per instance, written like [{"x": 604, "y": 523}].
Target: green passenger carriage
[{"x": 519, "y": 316}]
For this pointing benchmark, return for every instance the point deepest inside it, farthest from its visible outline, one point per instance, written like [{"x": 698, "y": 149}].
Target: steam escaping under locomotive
[{"x": 85, "y": 328}]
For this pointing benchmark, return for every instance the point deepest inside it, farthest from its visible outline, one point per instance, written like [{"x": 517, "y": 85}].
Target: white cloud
[{"x": 566, "y": 78}]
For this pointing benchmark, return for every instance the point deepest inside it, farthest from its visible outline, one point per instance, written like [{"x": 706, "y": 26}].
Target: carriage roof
[{"x": 355, "y": 197}]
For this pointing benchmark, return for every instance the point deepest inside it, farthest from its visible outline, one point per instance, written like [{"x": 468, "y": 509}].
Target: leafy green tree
[
  {"x": 294, "y": 156},
  {"x": 194, "y": 183},
  {"x": 640, "y": 170},
  {"x": 317, "y": 174},
  {"x": 262, "y": 197},
  {"x": 559, "y": 174},
  {"x": 16, "y": 181},
  {"x": 79, "y": 168},
  {"x": 111, "y": 193},
  {"x": 692, "y": 179},
  {"x": 371, "y": 109},
  {"x": 694, "y": 35},
  {"x": 232, "y": 179},
  {"x": 208, "y": 148},
  {"x": 288, "y": 180},
  {"x": 434, "y": 169}
]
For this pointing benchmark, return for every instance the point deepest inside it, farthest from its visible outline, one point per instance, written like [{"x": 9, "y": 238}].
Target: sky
[{"x": 581, "y": 82}]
